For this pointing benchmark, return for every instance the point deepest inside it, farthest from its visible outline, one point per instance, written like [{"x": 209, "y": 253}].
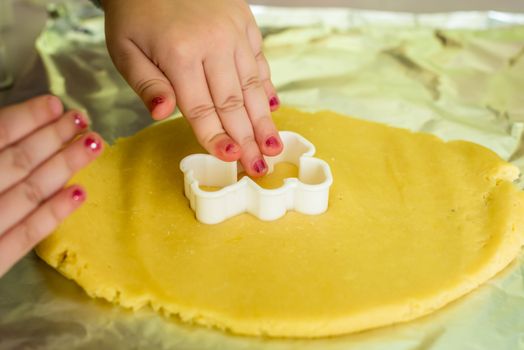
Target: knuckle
[
  {"x": 223, "y": 32},
  {"x": 35, "y": 104},
  {"x": 143, "y": 85},
  {"x": 251, "y": 82},
  {"x": 230, "y": 104},
  {"x": 266, "y": 81},
  {"x": 68, "y": 166},
  {"x": 21, "y": 160},
  {"x": 31, "y": 234},
  {"x": 259, "y": 55},
  {"x": 32, "y": 192},
  {"x": 200, "y": 112},
  {"x": 259, "y": 122},
  {"x": 34, "y": 107},
  {"x": 247, "y": 140},
  {"x": 263, "y": 68},
  {"x": 53, "y": 219},
  {"x": 183, "y": 50},
  {"x": 121, "y": 57},
  {"x": 27, "y": 236},
  {"x": 208, "y": 138}
]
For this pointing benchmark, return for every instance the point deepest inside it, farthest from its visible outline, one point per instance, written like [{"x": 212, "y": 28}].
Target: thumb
[{"x": 145, "y": 79}]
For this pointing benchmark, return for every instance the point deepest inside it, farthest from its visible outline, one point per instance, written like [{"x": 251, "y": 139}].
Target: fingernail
[
  {"x": 79, "y": 121},
  {"x": 54, "y": 104},
  {"x": 157, "y": 101},
  {"x": 93, "y": 144},
  {"x": 274, "y": 102},
  {"x": 232, "y": 148},
  {"x": 272, "y": 142},
  {"x": 78, "y": 195},
  {"x": 260, "y": 166}
]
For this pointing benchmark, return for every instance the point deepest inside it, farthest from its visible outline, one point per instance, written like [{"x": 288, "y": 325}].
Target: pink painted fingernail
[
  {"x": 274, "y": 102},
  {"x": 260, "y": 166},
  {"x": 93, "y": 144},
  {"x": 232, "y": 148},
  {"x": 79, "y": 121},
  {"x": 272, "y": 142},
  {"x": 157, "y": 101},
  {"x": 78, "y": 195}
]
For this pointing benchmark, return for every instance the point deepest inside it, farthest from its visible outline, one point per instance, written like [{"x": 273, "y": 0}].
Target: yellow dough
[{"x": 413, "y": 223}]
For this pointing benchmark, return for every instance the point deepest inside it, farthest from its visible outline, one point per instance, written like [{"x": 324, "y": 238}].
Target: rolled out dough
[{"x": 413, "y": 223}]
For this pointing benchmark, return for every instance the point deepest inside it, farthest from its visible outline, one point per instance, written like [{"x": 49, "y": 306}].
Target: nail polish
[
  {"x": 260, "y": 166},
  {"x": 93, "y": 144},
  {"x": 272, "y": 142},
  {"x": 157, "y": 101},
  {"x": 79, "y": 121},
  {"x": 231, "y": 148},
  {"x": 78, "y": 195},
  {"x": 274, "y": 102}
]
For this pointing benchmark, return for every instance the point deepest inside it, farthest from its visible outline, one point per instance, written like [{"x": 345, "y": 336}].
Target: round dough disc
[{"x": 413, "y": 223}]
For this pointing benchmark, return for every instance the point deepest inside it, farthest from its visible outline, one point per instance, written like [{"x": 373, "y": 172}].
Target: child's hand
[
  {"x": 208, "y": 54},
  {"x": 40, "y": 149}
]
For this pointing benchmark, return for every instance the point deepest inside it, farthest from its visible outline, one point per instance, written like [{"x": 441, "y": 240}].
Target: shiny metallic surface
[{"x": 456, "y": 75}]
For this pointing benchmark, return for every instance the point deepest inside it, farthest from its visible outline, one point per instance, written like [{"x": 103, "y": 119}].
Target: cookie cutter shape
[{"x": 307, "y": 194}]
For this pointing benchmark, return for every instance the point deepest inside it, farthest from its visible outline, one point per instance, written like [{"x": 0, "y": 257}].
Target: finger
[
  {"x": 145, "y": 79},
  {"x": 227, "y": 96},
  {"x": 255, "y": 41},
  {"x": 194, "y": 100},
  {"x": 18, "y": 241},
  {"x": 19, "y": 159},
  {"x": 47, "y": 179},
  {"x": 256, "y": 103},
  {"x": 19, "y": 120},
  {"x": 265, "y": 76}
]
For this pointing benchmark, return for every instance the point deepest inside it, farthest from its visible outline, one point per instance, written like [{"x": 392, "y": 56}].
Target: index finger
[
  {"x": 195, "y": 102},
  {"x": 20, "y": 120}
]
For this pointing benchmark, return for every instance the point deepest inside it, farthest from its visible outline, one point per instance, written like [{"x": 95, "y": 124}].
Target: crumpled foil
[{"x": 456, "y": 75}]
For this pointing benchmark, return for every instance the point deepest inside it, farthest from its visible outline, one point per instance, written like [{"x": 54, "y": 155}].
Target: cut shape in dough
[{"x": 413, "y": 224}]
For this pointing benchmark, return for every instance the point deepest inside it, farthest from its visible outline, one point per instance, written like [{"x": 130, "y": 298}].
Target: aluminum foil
[{"x": 456, "y": 75}]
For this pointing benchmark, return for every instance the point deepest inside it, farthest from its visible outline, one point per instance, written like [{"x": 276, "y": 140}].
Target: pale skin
[
  {"x": 203, "y": 55},
  {"x": 206, "y": 57},
  {"x": 41, "y": 147}
]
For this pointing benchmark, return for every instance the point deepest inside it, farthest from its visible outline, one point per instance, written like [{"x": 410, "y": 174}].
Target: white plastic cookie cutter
[{"x": 307, "y": 194}]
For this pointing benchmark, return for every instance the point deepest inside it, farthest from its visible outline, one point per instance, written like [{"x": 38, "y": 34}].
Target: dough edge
[{"x": 379, "y": 317}]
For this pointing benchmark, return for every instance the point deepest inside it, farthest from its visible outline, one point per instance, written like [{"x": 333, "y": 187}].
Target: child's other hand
[
  {"x": 205, "y": 56},
  {"x": 40, "y": 149}
]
